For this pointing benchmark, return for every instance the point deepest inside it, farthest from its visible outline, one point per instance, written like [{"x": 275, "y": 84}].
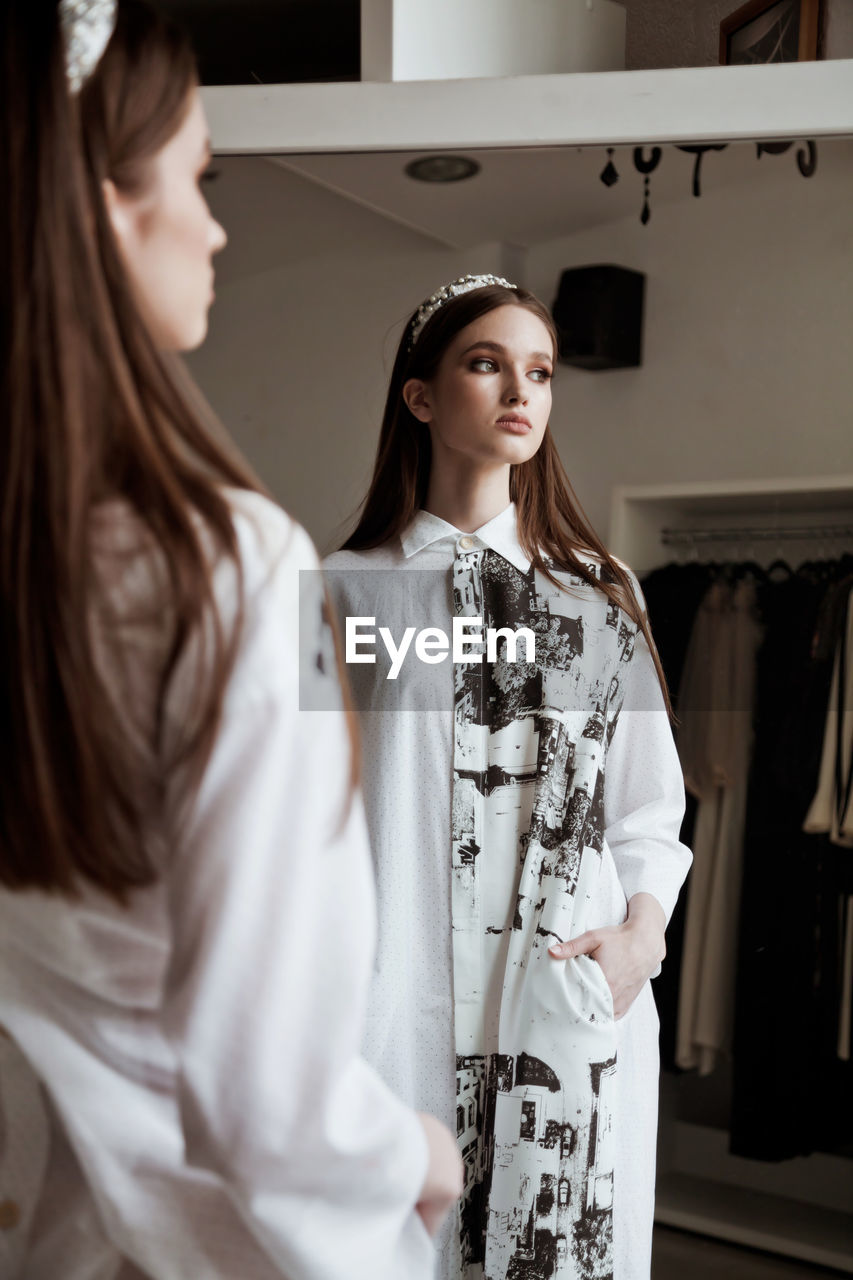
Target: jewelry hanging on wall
[
  {"x": 806, "y": 163},
  {"x": 646, "y": 167},
  {"x": 698, "y": 152},
  {"x": 806, "y": 160},
  {"x": 608, "y": 174}
]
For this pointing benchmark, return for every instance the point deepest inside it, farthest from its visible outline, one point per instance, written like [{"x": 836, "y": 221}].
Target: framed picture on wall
[{"x": 763, "y": 31}]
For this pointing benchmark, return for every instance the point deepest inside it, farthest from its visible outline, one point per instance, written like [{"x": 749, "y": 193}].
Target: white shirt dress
[
  {"x": 510, "y": 804},
  {"x": 205, "y": 1113}
]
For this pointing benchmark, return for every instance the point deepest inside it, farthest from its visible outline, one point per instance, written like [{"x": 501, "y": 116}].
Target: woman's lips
[{"x": 515, "y": 426}]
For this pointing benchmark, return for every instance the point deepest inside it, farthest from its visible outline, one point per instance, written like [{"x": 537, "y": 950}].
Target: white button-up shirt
[
  {"x": 208, "y": 1113},
  {"x": 508, "y": 806}
]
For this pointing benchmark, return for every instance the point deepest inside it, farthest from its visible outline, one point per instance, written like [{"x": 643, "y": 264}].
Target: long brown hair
[
  {"x": 551, "y": 521},
  {"x": 91, "y": 412}
]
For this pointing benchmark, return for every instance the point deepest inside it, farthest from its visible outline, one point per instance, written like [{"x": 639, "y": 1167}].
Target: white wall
[
  {"x": 748, "y": 332},
  {"x": 312, "y": 294},
  {"x": 748, "y": 328},
  {"x": 445, "y": 39}
]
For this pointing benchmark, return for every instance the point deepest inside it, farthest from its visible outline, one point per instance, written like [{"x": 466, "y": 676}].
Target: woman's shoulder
[
  {"x": 268, "y": 539},
  {"x": 595, "y": 562},
  {"x": 279, "y": 572},
  {"x": 260, "y": 593},
  {"x": 383, "y": 557},
  {"x": 597, "y": 565},
  {"x": 132, "y": 565}
]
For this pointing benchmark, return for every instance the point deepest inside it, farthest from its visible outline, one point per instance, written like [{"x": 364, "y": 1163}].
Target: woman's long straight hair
[
  {"x": 92, "y": 412},
  {"x": 551, "y": 522}
]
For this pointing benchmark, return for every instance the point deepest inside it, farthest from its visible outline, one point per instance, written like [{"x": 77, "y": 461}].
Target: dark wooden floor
[{"x": 677, "y": 1255}]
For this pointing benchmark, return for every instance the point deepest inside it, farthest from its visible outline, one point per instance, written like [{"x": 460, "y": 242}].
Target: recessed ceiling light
[{"x": 442, "y": 168}]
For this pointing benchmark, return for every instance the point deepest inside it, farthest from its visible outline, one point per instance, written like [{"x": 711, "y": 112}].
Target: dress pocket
[{"x": 596, "y": 996}]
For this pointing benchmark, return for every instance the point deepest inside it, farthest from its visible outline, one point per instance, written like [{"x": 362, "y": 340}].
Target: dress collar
[{"x": 499, "y": 534}]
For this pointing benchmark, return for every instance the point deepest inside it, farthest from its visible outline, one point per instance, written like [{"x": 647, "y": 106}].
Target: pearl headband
[
  {"x": 437, "y": 300},
  {"x": 87, "y": 26}
]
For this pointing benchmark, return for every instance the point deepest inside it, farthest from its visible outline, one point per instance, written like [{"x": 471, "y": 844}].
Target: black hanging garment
[{"x": 789, "y": 1096}]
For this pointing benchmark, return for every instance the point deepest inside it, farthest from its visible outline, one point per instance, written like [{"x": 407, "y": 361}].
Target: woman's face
[
  {"x": 168, "y": 237},
  {"x": 490, "y": 399}
]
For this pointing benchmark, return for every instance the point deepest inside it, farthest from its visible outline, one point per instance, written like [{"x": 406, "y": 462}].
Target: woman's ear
[
  {"x": 119, "y": 212},
  {"x": 416, "y": 396}
]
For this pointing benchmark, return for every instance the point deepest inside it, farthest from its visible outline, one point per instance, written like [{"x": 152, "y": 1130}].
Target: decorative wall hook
[
  {"x": 806, "y": 163},
  {"x": 609, "y": 174},
  {"x": 698, "y": 152},
  {"x": 646, "y": 167},
  {"x": 806, "y": 159},
  {"x": 642, "y": 165}
]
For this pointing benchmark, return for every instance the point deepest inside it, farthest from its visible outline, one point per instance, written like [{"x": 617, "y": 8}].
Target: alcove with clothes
[{"x": 749, "y": 599}]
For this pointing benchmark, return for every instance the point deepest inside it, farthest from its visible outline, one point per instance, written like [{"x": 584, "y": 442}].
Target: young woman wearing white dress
[
  {"x": 186, "y": 904},
  {"x": 524, "y": 801}
]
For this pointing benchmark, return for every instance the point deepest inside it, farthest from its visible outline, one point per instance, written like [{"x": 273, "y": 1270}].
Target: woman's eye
[
  {"x": 209, "y": 175},
  {"x": 541, "y": 375},
  {"x": 482, "y": 360}
]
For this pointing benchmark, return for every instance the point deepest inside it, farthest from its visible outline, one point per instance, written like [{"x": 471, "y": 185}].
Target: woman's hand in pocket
[{"x": 628, "y": 953}]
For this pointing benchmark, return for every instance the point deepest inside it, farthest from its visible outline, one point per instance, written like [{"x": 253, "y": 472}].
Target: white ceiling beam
[{"x": 694, "y": 104}]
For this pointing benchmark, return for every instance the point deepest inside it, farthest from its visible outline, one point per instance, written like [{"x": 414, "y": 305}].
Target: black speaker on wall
[{"x": 599, "y": 316}]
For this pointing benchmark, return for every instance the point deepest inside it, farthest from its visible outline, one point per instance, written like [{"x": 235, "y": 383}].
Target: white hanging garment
[
  {"x": 831, "y": 810},
  {"x": 716, "y": 707}
]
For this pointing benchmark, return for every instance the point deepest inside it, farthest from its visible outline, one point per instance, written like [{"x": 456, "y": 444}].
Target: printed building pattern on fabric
[{"x": 535, "y": 1038}]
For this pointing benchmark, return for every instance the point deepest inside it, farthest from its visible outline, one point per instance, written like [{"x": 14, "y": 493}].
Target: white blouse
[{"x": 208, "y": 1112}]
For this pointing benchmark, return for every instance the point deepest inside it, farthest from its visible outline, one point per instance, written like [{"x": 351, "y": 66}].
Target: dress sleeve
[
  {"x": 644, "y": 790},
  {"x": 273, "y": 921}
]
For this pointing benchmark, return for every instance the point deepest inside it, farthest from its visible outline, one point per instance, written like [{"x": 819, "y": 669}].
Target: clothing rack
[
  {"x": 798, "y": 1208},
  {"x": 750, "y": 533}
]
